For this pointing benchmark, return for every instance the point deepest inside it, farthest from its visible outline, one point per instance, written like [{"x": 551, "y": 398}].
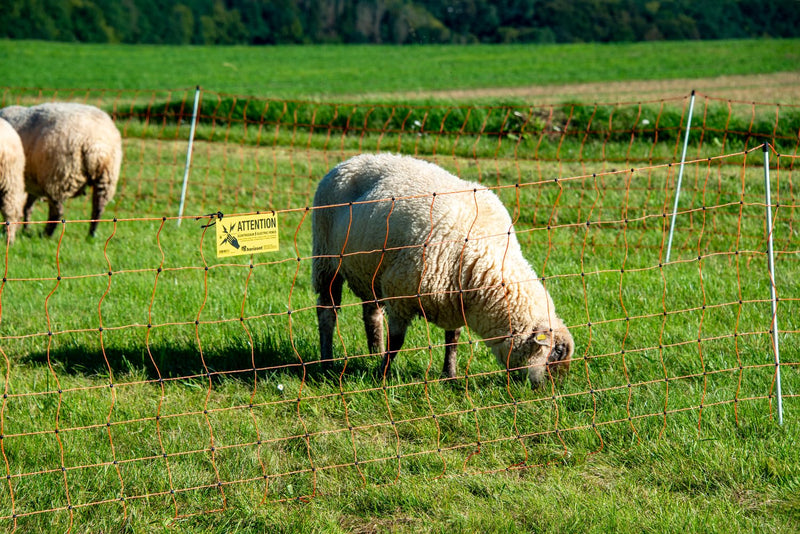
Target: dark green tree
[
  {"x": 182, "y": 24},
  {"x": 261, "y": 22},
  {"x": 89, "y": 23}
]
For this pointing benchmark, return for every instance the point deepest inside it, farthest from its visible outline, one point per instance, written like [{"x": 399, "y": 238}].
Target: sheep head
[{"x": 545, "y": 352}]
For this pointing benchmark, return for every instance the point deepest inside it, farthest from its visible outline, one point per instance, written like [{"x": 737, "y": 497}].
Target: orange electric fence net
[
  {"x": 270, "y": 153},
  {"x": 142, "y": 372}
]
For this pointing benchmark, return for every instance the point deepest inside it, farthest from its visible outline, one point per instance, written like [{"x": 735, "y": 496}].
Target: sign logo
[{"x": 247, "y": 234}]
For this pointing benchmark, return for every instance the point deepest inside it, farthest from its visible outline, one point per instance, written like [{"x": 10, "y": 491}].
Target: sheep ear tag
[
  {"x": 247, "y": 234},
  {"x": 541, "y": 339}
]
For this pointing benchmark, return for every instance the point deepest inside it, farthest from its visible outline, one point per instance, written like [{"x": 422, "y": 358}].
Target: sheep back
[
  {"x": 447, "y": 240},
  {"x": 67, "y": 147}
]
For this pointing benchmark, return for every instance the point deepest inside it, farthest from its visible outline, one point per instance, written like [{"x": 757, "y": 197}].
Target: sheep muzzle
[
  {"x": 559, "y": 358},
  {"x": 558, "y": 346}
]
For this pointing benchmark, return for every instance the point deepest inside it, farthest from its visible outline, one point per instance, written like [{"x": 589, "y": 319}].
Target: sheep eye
[{"x": 558, "y": 353}]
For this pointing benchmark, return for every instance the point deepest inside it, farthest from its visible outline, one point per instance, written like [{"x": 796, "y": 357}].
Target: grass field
[
  {"x": 350, "y": 71},
  {"x": 187, "y": 400}
]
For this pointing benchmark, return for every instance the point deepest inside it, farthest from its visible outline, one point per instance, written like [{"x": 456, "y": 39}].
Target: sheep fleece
[
  {"x": 68, "y": 147},
  {"x": 445, "y": 239},
  {"x": 12, "y": 177}
]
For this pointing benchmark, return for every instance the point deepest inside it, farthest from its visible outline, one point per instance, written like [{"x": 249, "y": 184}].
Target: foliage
[{"x": 393, "y": 21}]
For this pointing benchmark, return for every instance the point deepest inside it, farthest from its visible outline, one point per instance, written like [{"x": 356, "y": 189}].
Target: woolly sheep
[
  {"x": 12, "y": 177},
  {"x": 407, "y": 244},
  {"x": 68, "y": 147}
]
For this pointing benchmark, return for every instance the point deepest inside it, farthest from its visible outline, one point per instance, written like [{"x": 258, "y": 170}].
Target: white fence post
[
  {"x": 680, "y": 177},
  {"x": 774, "y": 299},
  {"x": 188, "y": 154}
]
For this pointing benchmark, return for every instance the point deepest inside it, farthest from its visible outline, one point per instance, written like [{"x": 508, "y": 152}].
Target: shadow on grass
[{"x": 175, "y": 360}]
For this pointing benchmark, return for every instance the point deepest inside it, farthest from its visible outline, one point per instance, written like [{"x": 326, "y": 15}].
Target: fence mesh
[{"x": 141, "y": 372}]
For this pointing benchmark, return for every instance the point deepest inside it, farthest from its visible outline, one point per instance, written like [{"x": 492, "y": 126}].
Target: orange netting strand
[
  {"x": 255, "y": 383},
  {"x": 4, "y": 406},
  {"x": 160, "y": 379},
  {"x": 111, "y": 376},
  {"x": 206, "y": 371},
  {"x": 52, "y": 370}
]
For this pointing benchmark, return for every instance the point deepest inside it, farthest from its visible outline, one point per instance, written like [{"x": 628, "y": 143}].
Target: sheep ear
[{"x": 541, "y": 338}]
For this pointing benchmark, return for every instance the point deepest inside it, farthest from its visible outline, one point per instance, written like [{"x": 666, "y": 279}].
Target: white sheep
[
  {"x": 68, "y": 147},
  {"x": 12, "y": 177},
  {"x": 411, "y": 239}
]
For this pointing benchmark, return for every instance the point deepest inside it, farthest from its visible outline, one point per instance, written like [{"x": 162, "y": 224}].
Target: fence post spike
[
  {"x": 189, "y": 154},
  {"x": 773, "y": 295},
  {"x": 680, "y": 177}
]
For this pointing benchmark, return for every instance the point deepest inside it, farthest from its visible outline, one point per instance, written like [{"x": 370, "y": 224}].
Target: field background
[
  {"x": 747, "y": 70},
  {"x": 726, "y": 467}
]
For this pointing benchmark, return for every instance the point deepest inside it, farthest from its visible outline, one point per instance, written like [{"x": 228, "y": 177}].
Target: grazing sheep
[
  {"x": 408, "y": 245},
  {"x": 68, "y": 147},
  {"x": 12, "y": 177}
]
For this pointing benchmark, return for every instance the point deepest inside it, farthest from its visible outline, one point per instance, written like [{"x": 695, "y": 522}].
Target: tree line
[{"x": 261, "y": 22}]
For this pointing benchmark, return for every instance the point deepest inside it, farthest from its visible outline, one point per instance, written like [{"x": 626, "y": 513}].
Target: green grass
[
  {"x": 728, "y": 463},
  {"x": 600, "y": 456},
  {"x": 621, "y": 134},
  {"x": 330, "y": 71}
]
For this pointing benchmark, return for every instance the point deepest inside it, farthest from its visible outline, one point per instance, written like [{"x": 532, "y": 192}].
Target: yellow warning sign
[{"x": 247, "y": 234}]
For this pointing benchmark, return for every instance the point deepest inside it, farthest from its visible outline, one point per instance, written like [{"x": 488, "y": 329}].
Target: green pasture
[
  {"x": 622, "y": 134},
  {"x": 334, "y": 71},
  {"x": 151, "y": 386},
  {"x": 187, "y": 400}
]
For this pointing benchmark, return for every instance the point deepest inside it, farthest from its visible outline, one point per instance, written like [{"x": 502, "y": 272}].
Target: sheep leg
[
  {"x": 373, "y": 324},
  {"x": 101, "y": 194},
  {"x": 397, "y": 336},
  {"x": 56, "y": 214},
  {"x": 12, "y": 213},
  {"x": 329, "y": 299},
  {"x": 450, "y": 368},
  {"x": 28, "y": 209}
]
